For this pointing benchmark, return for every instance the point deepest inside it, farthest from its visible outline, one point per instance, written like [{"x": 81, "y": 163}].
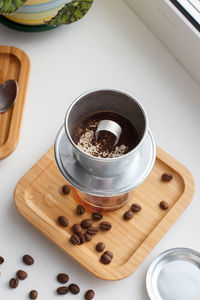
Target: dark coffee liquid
[{"x": 129, "y": 136}]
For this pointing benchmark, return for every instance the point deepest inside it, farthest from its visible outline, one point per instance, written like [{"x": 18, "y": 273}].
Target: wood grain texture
[
  {"x": 39, "y": 199},
  {"x": 14, "y": 64}
]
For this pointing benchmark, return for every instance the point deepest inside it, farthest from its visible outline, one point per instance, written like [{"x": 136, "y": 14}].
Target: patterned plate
[{"x": 26, "y": 28}]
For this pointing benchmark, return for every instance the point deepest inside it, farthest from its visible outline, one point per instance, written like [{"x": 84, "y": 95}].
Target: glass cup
[{"x": 99, "y": 203}]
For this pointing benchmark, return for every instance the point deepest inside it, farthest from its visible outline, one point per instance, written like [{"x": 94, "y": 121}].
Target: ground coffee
[{"x": 84, "y": 136}]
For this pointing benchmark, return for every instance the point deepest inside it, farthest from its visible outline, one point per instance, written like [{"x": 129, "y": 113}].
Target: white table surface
[{"x": 109, "y": 48}]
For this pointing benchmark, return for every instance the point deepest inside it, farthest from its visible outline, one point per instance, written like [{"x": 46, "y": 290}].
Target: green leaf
[
  {"x": 9, "y": 6},
  {"x": 71, "y": 12}
]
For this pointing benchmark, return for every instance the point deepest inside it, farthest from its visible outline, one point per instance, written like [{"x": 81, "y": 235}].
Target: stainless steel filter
[
  {"x": 112, "y": 101},
  {"x": 103, "y": 183}
]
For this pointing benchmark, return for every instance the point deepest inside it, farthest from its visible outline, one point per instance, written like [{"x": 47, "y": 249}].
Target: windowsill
[{"x": 171, "y": 27}]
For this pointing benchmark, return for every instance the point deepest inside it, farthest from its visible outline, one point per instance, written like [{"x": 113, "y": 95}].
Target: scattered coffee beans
[
  {"x": 105, "y": 226},
  {"x": 97, "y": 216},
  {"x": 63, "y": 221},
  {"x": 28, "y": 260},
  {"x": 89, "y": 295},
  {"x": 76, "y": 228},
  {"x": 75, "y": 240},
  {"x": 1, "y": 260},
  {"x": 136, "y": 207},
  {"x": 92, "y": 230},
  {"x": 13, "y": 283},
  {"x": 82, "y": 238},
  {"x": 74, "y": 288},
  {"x": 100, "y": 247},
  {"x": 80, "y": 210},
  {"x": 109, "y": 253},
  {"x": 33, "y": 294},
  {"x": 105, "y": 259},
  {"x": 62, "y": 290},
  {"x": 62, "y": 278},
  {"x": 86, "y": 223},
  {"x": 21, "y": 274},
  {"x": 166, "y": 176},
  {"x": 128, "y": 215},
  {"x": 66, "y": 189},
  {"x": 88, "y": 237},
  {"x": 164, "y": 205}
]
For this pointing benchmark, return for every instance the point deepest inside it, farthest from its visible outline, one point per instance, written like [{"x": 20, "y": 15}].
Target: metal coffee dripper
[{"x": 104, "y": 183}]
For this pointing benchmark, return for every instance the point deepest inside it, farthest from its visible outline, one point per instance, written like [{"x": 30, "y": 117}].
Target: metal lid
[
  {"x": 99, "y": 186},
  {"x": 174, "y": 275}
]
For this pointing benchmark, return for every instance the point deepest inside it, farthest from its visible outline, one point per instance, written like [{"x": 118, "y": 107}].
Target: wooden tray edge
[
  {"x": 14, "y": 132},
  {"x": 23, "y": 210},
  {"x": 144, "y": 249},
  {"x": 169, "y": 219}
]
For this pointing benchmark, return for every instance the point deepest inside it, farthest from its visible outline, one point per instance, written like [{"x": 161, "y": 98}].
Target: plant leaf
[
  {"x": 9, "y": 6},
  {"x": 71, "y": 12}
]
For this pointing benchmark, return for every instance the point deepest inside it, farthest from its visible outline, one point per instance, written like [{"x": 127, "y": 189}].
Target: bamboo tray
[
  {"x": 14, "y": 64},
  {"x": 39, "y": 199}
]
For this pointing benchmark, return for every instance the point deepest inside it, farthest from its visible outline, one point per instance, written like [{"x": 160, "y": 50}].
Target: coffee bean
[
  {"x": 63, "y": 221},
  {"x": 82, "y": 238},
  {"x": 21, "y": 274},
  {"x": 86, "y": 223},
  {"x": 136, "y": 207},
  {"x": 62, "y": 290},
  {"x": 88, "y": 237},
  {"x": 76, "y": 228},
  {"x": 92, "y": 230},
  {"x": 164, "y": 205},
  {"x": 109, "y": 253},
  {"x": 1, "y": 260},
  {"x": 28, "y": 260},
  {"x": 100, "y": 247},
  {"x": 75, "y": 240},
  {"x": 62, "y": 278},
  {"x": 128, "y": 215},
  {"x": 105, "y": 259},
  {"x": 80, "y": 210},
  {"x": 97, "y": 216},
  {"x": 33, "y": 294},
  {"x": 166, "y": 176},
  {"x": 74, "y": 288},
  {"x": 66, "y": 189},
  {"x": 13, "y": 283},
  {"x": 105, "y": 226},
  {"x": 89, "y": 295}
]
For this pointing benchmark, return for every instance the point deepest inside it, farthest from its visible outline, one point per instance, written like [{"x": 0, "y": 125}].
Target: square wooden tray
[
  {"x": 39, "y": 199},
  {"x": 14, "y": 64}
]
